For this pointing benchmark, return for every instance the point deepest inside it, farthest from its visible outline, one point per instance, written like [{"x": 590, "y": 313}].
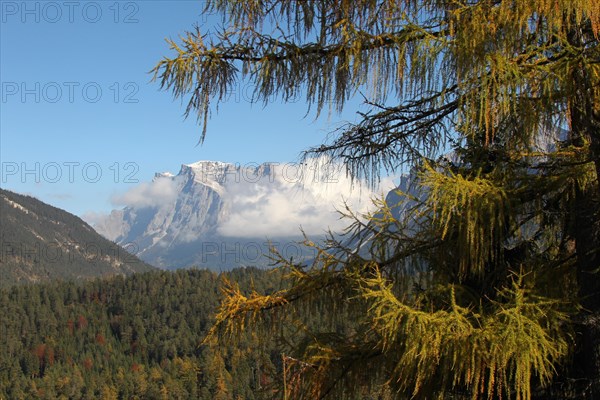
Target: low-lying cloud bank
[
  {"x": 148, "y": 194},
  {"x": 287, "y": 201}
]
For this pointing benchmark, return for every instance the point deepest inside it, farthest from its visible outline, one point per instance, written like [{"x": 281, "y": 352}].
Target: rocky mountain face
[
  {"x": 39, "y": 243},
  {"x": 181, "y": 228}
]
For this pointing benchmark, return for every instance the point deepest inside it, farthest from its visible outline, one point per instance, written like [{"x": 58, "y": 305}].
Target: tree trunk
[
  {"x": 587, "y": 236},
  {"x": 585, "y": 127},
  {"x": 585, "y": 131},
  {"x": 581, "y": 379}
]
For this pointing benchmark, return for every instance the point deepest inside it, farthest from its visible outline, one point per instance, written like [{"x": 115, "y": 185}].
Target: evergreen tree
[{"x": 485, "y": 284}]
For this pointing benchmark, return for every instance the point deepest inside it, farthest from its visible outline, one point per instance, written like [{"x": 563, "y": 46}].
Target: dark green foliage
[{"x": 125, "y": 338}]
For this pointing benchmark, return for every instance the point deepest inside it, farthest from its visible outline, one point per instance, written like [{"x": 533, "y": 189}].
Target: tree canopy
[
  {"x": 135, "y": 337},
  {"x": 482, "y": 279}
]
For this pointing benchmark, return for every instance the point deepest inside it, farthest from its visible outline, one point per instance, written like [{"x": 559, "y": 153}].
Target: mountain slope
[{"x": 39, "y": 243}]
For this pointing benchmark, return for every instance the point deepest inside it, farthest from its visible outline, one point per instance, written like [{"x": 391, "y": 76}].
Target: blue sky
[{"x": 80, "y": 121}]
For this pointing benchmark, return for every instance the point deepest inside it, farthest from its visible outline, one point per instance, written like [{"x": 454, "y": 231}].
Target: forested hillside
[
  {"x": 40, "y": 243},
  {"x": 128, "y": 338}
]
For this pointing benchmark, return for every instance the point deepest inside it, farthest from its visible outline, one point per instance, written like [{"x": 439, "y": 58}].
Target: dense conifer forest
[{"x": 137, "y": 337}]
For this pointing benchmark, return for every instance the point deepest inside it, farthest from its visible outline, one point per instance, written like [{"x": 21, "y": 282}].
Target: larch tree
[{"x": 482, "y": 280}]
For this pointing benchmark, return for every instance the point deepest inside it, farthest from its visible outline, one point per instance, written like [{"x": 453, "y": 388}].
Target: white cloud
[
  {"x": 295, "y": 197},
  {"x": 148, "y": 194},
  {"x": 93, "y": 217}
]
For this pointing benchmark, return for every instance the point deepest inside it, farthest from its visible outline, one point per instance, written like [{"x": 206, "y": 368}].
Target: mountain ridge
[{"x": 41, "y": 243}]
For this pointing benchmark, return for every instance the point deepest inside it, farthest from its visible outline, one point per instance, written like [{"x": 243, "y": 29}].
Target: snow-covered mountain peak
[
  {"x": 208, "y": 164},
  {"x": 220, "y": 174}
]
